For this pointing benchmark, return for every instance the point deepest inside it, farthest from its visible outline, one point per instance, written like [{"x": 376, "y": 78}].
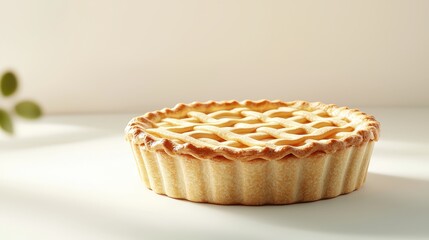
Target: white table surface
[{"x": 74, "y": 177}]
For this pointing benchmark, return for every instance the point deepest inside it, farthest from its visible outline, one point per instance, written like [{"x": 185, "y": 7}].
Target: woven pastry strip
[{"x": 242, "y": 127}]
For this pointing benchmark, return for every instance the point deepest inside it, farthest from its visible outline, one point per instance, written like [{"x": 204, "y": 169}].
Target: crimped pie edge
[{"x": 135, "y": 132}]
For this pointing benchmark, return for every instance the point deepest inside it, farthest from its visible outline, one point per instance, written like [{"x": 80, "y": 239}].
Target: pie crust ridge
[{"x": 359, "y": 128}]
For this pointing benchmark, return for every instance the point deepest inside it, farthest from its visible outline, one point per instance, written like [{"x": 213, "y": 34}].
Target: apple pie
[{"x": 253, "y": 152}]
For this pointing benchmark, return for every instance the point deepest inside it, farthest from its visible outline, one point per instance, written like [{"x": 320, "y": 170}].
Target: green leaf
[
  {"x": 6, "y": 122},
  {"x": 28, "y": 109},
  {"x": 8, "y": 84}
]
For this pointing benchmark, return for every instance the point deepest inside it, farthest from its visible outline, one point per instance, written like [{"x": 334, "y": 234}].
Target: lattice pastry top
[{"x": 250, "y": 130}]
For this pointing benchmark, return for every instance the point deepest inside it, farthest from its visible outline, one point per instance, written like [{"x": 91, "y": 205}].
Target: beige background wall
[{"x": 119, "y": 56}]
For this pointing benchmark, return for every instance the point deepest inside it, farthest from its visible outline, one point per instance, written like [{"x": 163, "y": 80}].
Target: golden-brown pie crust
[
  {"x": 320, "y": 166},
  {"x": 136, "y": 131}
]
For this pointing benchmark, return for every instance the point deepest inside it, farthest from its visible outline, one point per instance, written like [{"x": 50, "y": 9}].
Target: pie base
[{"x": 256, "y": 182}]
